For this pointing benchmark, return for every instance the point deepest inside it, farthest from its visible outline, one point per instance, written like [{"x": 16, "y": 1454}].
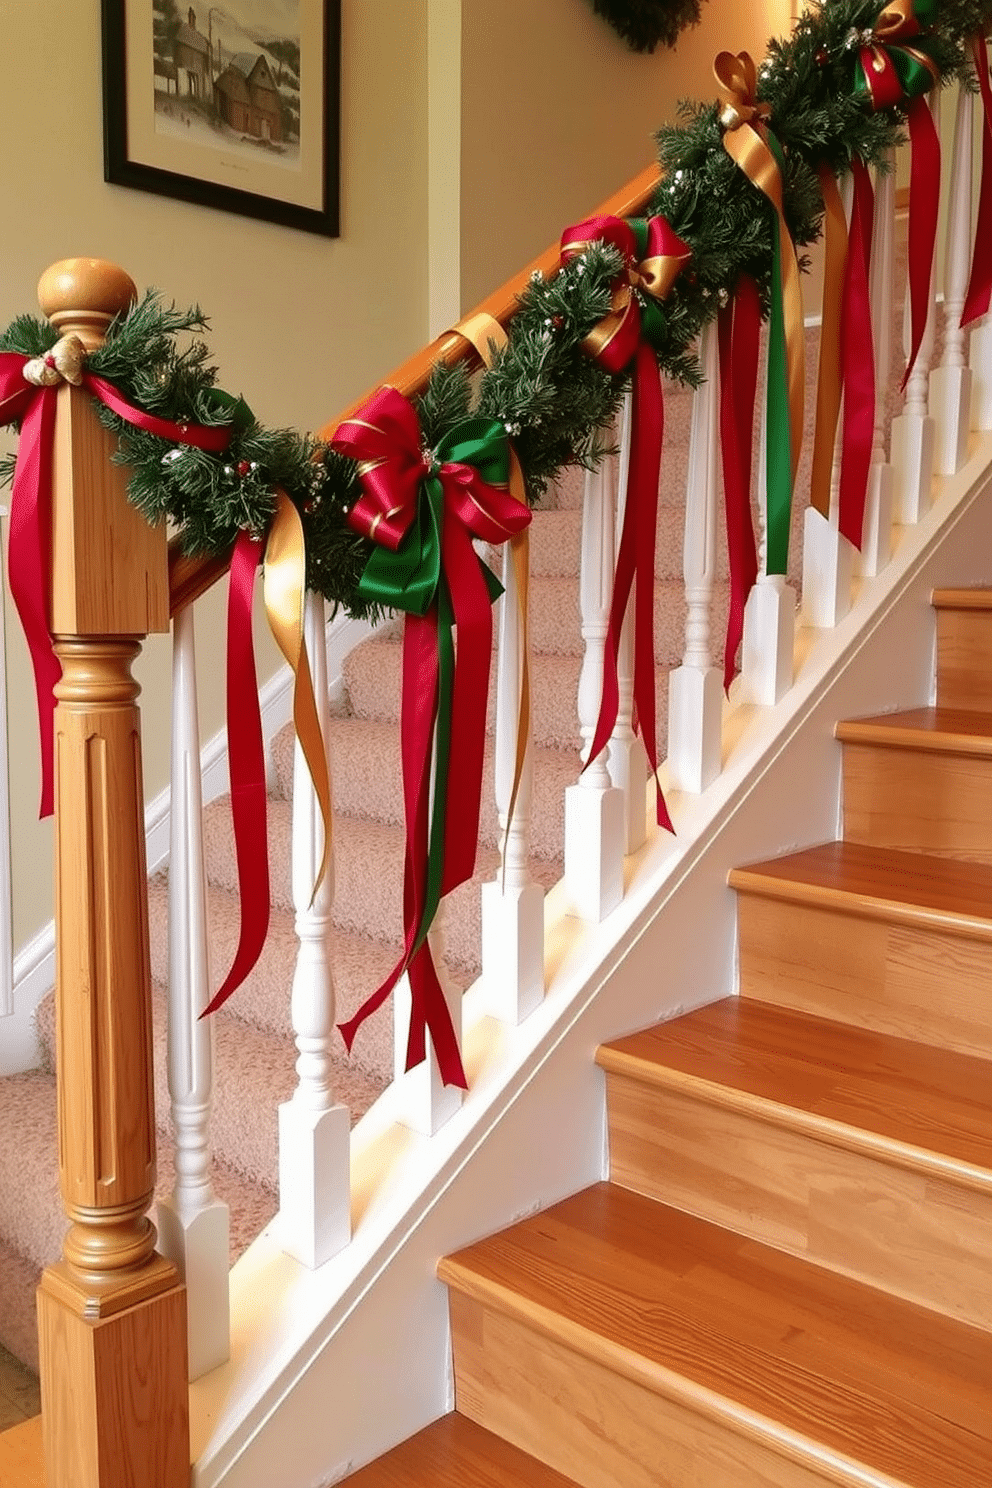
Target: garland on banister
[{"x": 388, "y": 509}]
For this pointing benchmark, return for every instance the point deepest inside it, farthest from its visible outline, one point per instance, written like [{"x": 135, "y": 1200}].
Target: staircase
[
  {"x": 786, "y": 1281},
  {"x": 254, "y": 1051}
]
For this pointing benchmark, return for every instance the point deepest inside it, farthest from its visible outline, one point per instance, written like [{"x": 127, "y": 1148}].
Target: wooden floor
[
  {"x": 20, "y": 1392},
  {"x": 21, "y": 1462}
]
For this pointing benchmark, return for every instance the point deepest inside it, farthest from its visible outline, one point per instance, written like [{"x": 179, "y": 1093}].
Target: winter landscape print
[{"x": 227, "y": 77}]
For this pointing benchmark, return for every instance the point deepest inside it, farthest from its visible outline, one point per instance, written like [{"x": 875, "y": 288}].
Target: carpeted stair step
[
  {"x": 359, "y": 965},
  {"x": 32, "y": 1220},
  {"x": 456, "y": 1453},
  {"x": 556, "y": 543},
  {"x": 366, "y": 781},
  {"x": 368, "y": 878},
  {"x": 867, "y": 1154},
  {"x": 372, "y": 675}
]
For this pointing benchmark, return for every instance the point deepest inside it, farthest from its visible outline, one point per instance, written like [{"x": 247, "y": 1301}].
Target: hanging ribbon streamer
[
  {"x": 739, "y": 332},
  {"x": 488, "y": 338},
  {"x": 828, "y": 383},
  {"x": 653, "y": 256},
  {"x": 858, "y": 363},
  {"x": 979, "y": 296},
  {"x": 753, "y": 147},
  {"x": 283, "y": 554},
  {"x": 422, "y": 512},
  {"x": 893, "y": 67},
  {"x": 29, "y": 392},
  {"x": 29, "y": 550}
]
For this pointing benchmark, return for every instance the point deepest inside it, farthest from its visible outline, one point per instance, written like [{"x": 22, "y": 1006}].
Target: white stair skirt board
[{"x": 361, "y": 1346}]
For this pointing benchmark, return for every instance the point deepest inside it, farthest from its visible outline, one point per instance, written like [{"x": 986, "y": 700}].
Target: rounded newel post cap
[{"x": 82, "y": 295}]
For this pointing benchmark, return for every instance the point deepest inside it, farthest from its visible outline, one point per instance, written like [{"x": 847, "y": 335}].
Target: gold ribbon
[
  {"x": 489, "y": 338},
  {"x": 745, "y": 140},
  {"x": 892, "y": 26},
  {"x": 828, "y": 389},
  {"x": 284, "y": 575}
]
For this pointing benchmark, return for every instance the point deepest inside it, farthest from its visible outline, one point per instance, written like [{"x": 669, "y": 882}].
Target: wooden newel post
[{"x": 111, "y": 1313}]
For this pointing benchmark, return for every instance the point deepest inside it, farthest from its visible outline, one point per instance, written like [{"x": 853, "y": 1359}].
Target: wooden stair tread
[
  {"x": 880, "y": 882},
  {"x": 698, "y": 1312},
  {"x": 962, "y": 599},
  {"x": 454, "y": 1453},
  {"x": 854, "y": 1085},
  {"x": 22, "y": 1456},
  {"x": 948, "y": 730}
]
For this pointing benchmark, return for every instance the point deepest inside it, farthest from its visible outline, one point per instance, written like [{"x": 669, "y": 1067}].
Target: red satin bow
[
  {"x": 385, "y": 438},
  {"x": 29, "y": 548}
]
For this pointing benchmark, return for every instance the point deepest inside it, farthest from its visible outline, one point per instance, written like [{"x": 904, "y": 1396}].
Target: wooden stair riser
[
  {"x": 915, "y": 981},
  {"x": 912, "y": 1233},
  {"x": 601, "y": 1427},
  {"x": 964, "y": 659},
  {"x": 919, "y": 801}
]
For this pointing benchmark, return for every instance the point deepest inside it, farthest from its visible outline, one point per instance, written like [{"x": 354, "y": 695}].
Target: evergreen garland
[
  {"x": 645, "y": 23},
  {"x": 555, "y": 401}
]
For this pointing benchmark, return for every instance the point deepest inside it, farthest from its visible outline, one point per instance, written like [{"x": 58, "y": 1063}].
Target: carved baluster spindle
[
  {"x": 770, "y": 613},
  {"x": 594, "y": 808},
  {"x": 877, "y": 543},
  {"x": 314, "y": 1130},
  {"x": 194, "y": 1224},
  {"x": 980, "y": 351},
  {"x": 513, "y": 904},
  {"x": 950, "y": 384},
  {"x": 112, "y": 1312},
  {"x": 913, "y": 438},
  {"x": 828, "y": 557},
  {"x": 423, "y": 1101},
  {"x": 628, "y": 764},
  {"x": 695, "y": 698}
]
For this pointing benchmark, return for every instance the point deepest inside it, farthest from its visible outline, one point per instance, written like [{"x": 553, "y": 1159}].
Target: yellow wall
[
  {"x": 557, "y": 113},
  {"x": 300, "y": 324},
  {"x": 553, "y": 113}
]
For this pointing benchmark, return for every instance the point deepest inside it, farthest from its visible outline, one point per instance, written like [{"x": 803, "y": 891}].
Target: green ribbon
[
  {"x": 778, "y": 444},
  {"x": 412, "y": 577}
]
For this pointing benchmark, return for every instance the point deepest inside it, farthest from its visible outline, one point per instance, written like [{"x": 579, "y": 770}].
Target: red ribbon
[
  {"x": 246, "y": 765},
  {"x": 924, "y": 202},
  {"x": 29, "y": 553},
  {"x": 624, "y": 342},
  {"x": 385, "y": 438},
  {"x": 738, "y": 331},
  {"x": 29, "y": 561},
  {"x": 857, "y": 362},
  {"x": 979, "y": 295}
]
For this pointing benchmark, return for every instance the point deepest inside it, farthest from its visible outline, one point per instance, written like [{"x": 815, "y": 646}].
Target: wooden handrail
[{"x": 191, "y": 577}]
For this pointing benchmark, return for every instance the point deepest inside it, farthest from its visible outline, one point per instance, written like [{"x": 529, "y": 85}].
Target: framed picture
[{"x": 232, "y": 106}]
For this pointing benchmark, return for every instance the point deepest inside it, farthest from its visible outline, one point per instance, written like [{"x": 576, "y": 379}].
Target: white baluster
[
  {"x": 314, "y": 1220},
  {"x": 950, "y": 384},
  {"x": 193, "y": 1224},
  {"x": 877, "y": 542},
  {"x": 424, "y": 1102},
  {"x": 828, "y": 557},
  {"x": 628, "y": 763},
  {"x": 913, "y": 432},
  {"x": 695, "y": 697},
  {"x": 980, "y": 359},
  {"x": 513, "y": 905},
  {"x": 768, "y": 646},
  {"x": 594, "y": 808}
]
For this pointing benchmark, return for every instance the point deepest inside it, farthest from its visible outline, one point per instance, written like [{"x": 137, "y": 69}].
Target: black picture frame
[{"x": 129, "y": 161}]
